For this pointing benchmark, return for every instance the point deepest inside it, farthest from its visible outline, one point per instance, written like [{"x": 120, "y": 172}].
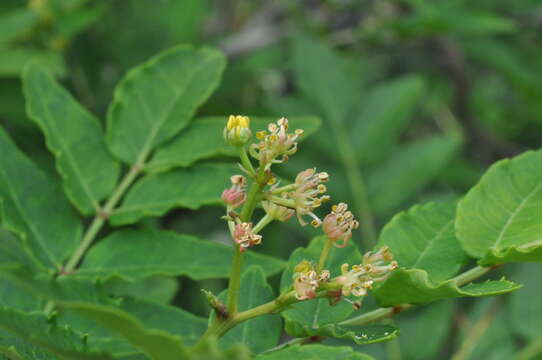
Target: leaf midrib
[{"x": 432, "y": 241}]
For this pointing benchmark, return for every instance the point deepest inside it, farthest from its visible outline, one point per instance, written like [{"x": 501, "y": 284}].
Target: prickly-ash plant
[{"x": 86, "y": 274}]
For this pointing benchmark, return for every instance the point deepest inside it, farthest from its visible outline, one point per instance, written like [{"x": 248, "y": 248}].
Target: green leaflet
[
  {"x": 424, "y": 238},
  {"x": 157, "y": 99},
  {"x": 191, "y": 188},
  {"x": 160, "y": 289},
  {"x": 257, "y": 334},
  {"x": 14, "y": 60},
  {"x": 28, "y": 197},
  {"x": 314, "y": 352},
  {"x": 75, "y": 138},
  {"x": 413, "y": 286},
  {"x": 14, "y": 348},
  {"x": 497, "y": 221},
  {"x": 16, "y": 23},
  {"x": 135, "y": 254},
  {"x": 203, "y": 139},
  {"x": 409, "y": 169},
  {"x": 361, "y": 335},
  {"x": 36, "y": 329},
  {"x": 315, "y": 313},
  {"x": 383, "y": 115}
]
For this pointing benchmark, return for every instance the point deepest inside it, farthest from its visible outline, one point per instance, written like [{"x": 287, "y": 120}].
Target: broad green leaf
[
  {"x": 160, "y": 289},
  {"x": 424, "y": 238},
  {"x": 75, "y": 137},
  {"x": 413, "y": 286},
  {"x": 203, "y": 139},
  {"x": 157, "y": 99},
  {"x": 525, "y": 305},
  {"x": 361, "y": 335},
  {"x": 16, "y": 23},
  {"x": 333, "y": 90},
  {"x": 315, "y": 313},
  {"x": 191, "y": 188},
  {"x": 408, "y": 169},
  {"x": 383, "y": 115},
  {"x": 16, "y": 298},
  {"x": 15, "y": 348},
  {"x": 35, "y": 208},
  {"x": 14, "y": 60},
  {"x": 38, "y": 330},
  {"x": 13, "y": 251},
  {"x": 497, "y": 219},
  {"x": 430, "y": 325},
  {"x": 87, "y": 299},
  {"x": 209, "y": 350},
  {"x": 314, "y": 352},
  {"x": 135, "y": 254},
  {"x": 257, "y": 334}
]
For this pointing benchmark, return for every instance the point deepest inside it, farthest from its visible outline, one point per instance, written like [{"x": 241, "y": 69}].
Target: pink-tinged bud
[
  {"x": 245, "y": 237},
  {"x": 338, "y": 225},
  {"x": 235, "y": 195}
]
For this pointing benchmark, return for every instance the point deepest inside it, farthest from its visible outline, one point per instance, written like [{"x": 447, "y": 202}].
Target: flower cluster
[
  {"x": 376, "y": 267},
  {"x": 338, "y": 225},
  {"x": 307, "y": 280},
  {"x": 236, "y": 194},
  {"x": 245, "y": 236},
  {"x": 275, "y": 142}
]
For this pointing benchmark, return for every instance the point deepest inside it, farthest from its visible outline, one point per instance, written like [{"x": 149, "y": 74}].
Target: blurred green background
[{"x": 417, "y": 99}]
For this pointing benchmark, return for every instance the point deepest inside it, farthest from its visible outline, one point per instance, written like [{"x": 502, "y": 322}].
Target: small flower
[
  {"x": 360, "y": 278},
  {"x": 245, "y": 237},
  {"x": 307, "y": 280},
  {"x": 275, "y": 142},
  {"x": 338, "y": 225},
  {"x": 277, "y": 212},
  {"x": 306, "y": 195},
  {"x": 235, "y": 195},
  {"x": 237, "y": 131}
]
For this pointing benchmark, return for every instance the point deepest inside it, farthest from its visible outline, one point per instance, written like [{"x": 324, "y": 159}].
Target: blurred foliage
[{"x": 417, "y": 98}]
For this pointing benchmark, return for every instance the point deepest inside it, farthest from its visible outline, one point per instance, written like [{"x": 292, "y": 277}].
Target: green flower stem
[
  {"x": 266, "y": 220},
  {"x": 283, "y": 189},
  {"x": 324, "y": 254},
  {"x": 378, "y": 314},
  {"x": 281, "y": 201},
  {"x": 237, "y": 263},
  {"x": 245, "y": 161}
]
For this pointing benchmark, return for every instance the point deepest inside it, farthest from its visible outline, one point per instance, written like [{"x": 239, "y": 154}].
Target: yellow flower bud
[{"x": 237, "y": 131}]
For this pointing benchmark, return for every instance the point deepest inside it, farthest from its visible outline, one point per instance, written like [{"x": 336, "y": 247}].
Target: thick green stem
[
  {"x": 245, "y": 160},
  {"x": 324, "y": 254},
  {"x": 237, "y": 263}
]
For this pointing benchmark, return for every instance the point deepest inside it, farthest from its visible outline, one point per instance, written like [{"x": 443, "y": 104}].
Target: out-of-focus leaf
[
  {"x": 191, "y": 188},
  {"x": 75, "y": 137},
  {"x": 36, "y": 329},
  {"x": 383, "y": 115},
  {"x": 435, "y": 319},
  {"x": 424, "y": 238},
  {"x": 16, "y": 23},
  {"x": 407, "y": 170},
  {"x": 315, "y": 352},
  {"x": 14, "y": 348},
  {"x": 525, "y": 304},
  {"x": 257, "y": 334},
  {"x": 157, "y": 99},
  {"x": 13, "y": 61},
  {"x": 412, "y": 286},
  {"x": 318, "y": 312},
  {"x": 160, "y": 289},
  {"x": 497, "y": 219},
  {"x": 135, "y": 254},
  {"x": 203, "y": 139},
  {"x": 35, "y": 208}
]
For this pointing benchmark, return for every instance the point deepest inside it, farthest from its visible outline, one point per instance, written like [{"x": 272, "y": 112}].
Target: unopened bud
[
  {"x": 277, "y": 212},
  {"x": 237, "y": 131}
]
